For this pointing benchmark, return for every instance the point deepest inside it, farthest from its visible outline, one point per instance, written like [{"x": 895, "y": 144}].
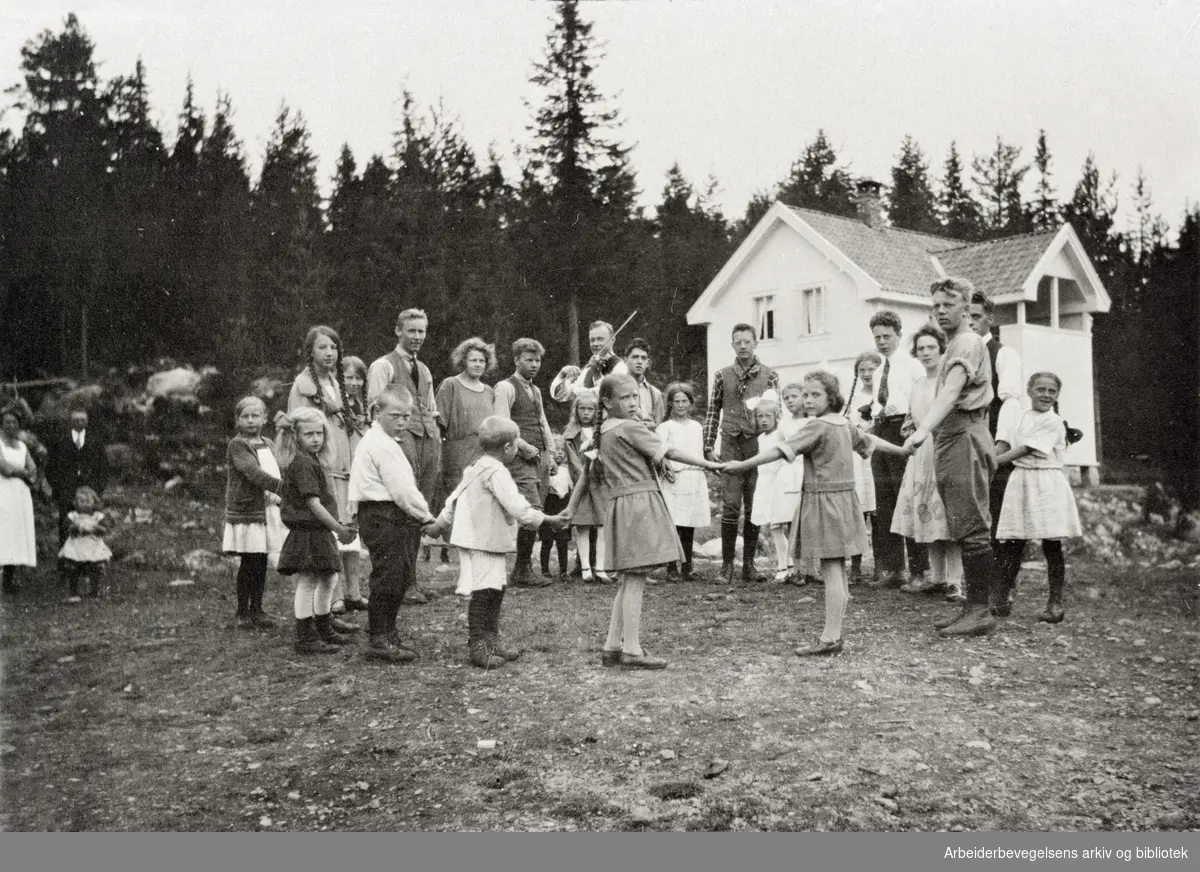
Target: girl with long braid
[{"x": 320, "y": 385}]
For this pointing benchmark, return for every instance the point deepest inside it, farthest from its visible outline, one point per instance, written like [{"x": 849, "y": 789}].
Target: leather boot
[
  {"x": 479, "y": 650},
  {"x": 953, "y": 619},
  {"x": 342, "y": 626},
  {"x": 307, "y": 640},
  {"x": 977, "y": 619},
  {"x": 1054, "y": 612},
  {"x": 326, "y": 631},
  {"x": 495, "y": 599},
  {"x": 749, "y": 550}
]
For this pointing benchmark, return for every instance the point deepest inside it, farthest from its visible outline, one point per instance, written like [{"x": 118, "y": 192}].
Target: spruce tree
[
  {"x": 816, "y": 181},
  {"x": 960, "y": 213},
  {"x": 1044, "y": 212},
  {"x": 912, "y": 204},
  {"x": 998, "y": 177}
]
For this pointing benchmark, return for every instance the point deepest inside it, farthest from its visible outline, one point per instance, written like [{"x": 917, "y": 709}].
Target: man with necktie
[
  {"x": 893, "y": 389},
  {"x": 77, "y": 459}
]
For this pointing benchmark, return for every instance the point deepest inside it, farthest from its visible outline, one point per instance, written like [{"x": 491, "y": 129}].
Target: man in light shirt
[
  {"x": 390, "y": 511},
  {"x": 894, "y": 382},
  {"x": 652, "y": 410},
  {"x": 571, "y": 378}
]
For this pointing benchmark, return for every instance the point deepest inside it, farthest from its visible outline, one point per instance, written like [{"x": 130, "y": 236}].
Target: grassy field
[{"x": 149, "y": 711}]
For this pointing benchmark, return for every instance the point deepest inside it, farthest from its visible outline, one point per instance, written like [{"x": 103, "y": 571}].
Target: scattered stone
[
  {"x": 265, "y": 821},
  {"x": 1077, "y": 754},
  {"x": 715, "y": 768},
  {"x": 1158, "y": 659},
  {"x": 7, "y": 749},
  {"x": 486, "y": 744},
  {"x": 1139, "y": 643},
  {"x": 889, "y": 804},
  {"x": 816, "y": 776},
  {"x": 181, "y": 582},
  {"x": 980, "y": 744},
  {"x": 294, "y": 795},
  {"x": 641, "y": 814},
  {"x": 863, "y": 686},
  {"x": 1062, "y": 641},
  {"x": 976, "y": 672},
  {"x": 975, "y": 681},
  {"x": 1152, "y": 700},
  {"x": 667, "y": 754},
  {"x": 69, "y": 658}
]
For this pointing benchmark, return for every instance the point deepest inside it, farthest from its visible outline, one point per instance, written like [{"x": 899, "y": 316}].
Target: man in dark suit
[{"x": 77, "y": 458}]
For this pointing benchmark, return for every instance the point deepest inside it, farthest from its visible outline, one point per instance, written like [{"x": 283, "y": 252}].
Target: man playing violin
[{"x": 603, "y": 361}]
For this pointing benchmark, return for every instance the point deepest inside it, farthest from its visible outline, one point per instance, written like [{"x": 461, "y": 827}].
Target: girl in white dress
[
  {"x": 1038, "y": 503},
  {"x": 858, "y": 410},
  {"x": 18, "y": 542},
  {"x": 85, "y": 555},
  {"x": 685, "y": 488},
  {"x": 775, "y": 495}
]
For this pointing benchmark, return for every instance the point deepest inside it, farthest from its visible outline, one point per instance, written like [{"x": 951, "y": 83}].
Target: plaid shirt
[{"x": 712, "y": 419}]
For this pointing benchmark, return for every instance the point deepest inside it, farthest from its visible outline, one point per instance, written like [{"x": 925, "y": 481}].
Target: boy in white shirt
[{"x": 482, "y": 515}]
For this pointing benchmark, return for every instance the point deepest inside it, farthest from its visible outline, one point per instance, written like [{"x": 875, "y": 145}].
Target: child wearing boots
[
  {"x": 309, "y": 511},
  {"x": 482, "y": 516},
  {"x": 84, "y": 555},
  {"x": 1038, "y": 502}
]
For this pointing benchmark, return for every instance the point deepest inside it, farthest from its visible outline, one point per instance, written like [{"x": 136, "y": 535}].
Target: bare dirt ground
[{"x": 149, "y": 711}]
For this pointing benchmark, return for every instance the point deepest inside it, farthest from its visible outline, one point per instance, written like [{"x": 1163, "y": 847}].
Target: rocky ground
[{"x": 149, "y": 711}]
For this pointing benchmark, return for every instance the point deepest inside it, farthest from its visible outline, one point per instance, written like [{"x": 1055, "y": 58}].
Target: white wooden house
[{"x": 810, "y": 282}]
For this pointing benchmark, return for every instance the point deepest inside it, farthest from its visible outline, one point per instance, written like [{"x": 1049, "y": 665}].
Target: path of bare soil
[{"x": 148, "y": 711}]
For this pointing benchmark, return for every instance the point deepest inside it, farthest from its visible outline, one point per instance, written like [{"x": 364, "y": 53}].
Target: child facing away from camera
[
  {"x": 85, "y": 555},
  {"x": 253, "y": 526},
  {"x": 641, "y": 534},
  {"x": 831, "y": 522},
  {"x": 310, "y": 512},
  {"x": 684, "y": 487},
  {"x": 1038, "y": 502},
  {"x": 481, "y": 516}
]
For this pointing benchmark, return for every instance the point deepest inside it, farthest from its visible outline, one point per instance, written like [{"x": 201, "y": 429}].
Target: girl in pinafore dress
[
  {"x": 641, "y": 534},
  {"x": 684, "y": 488},
  {"x": 310, "y": 550},
  {"x": 1038, "y": 503},
  {"x": 578, "y": 436},
  {"x": 85, "y": 555},
  {"x": 776, "y": 495},
  {"x": 830, "y": 524},
  {"x": 253, "y": 528}
]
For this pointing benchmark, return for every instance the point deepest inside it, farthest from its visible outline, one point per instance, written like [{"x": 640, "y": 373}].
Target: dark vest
[
  {"x": 736, "y": 419},
  {"x": 526, "y": 413},
  {"x": 993, "y": 347},
  {"x": 422, "y": 422}
]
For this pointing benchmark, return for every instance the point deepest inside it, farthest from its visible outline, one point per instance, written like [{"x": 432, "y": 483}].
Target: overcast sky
[{"x": 728, "y": 87}]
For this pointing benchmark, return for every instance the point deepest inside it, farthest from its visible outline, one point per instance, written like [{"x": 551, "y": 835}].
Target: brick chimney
[{"x": 868, "y": 200}]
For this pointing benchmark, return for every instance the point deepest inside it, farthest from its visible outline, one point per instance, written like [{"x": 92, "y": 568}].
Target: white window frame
[
  {"x": 810, "y": 311},
  {"x": 766, "y": 317}
]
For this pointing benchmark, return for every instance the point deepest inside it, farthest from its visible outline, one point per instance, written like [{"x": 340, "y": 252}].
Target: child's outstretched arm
[
  {"x": 886, "y": 447},
  {"x": 577, "y": 494},
  {"x": 691, "y": 460},
  {"x": 738, "y": 466}
]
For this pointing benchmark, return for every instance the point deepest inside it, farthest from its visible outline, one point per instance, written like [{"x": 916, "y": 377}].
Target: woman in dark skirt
[{"x": 309, "y": 511}]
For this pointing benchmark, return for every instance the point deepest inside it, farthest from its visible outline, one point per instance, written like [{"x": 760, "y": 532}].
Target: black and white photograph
[{"x": 580, "y": 416}]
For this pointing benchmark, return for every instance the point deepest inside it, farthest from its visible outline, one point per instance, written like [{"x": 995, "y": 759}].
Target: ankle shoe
[
  {"x": 751, "y": 574},
  {"x": 338, "y": 608},
  {"x": 943, "y": 623},
  {"x": 342, "y": 626},
  {"x": 604, "y": 577},
  {"x": 393, "y": 639},
  {"x": 482, "y": 655},
  {"x": 978, "y": 621},
  {"x": 727, "y": 573},
  {"x": 524, "y": 576},
  {"x": 308, "y": 641},
  {"x": 819, "y": 649},
  {"x": 886, "y": 578},
  {"x": 415, "y": 596},
  {"x": 326, "y": 631},
  {"x": 262, "y": 621},
  {"x": 673, "y": 572},
  {"x": 588, "y": 576},
  {"x": 610, "y": 658},
  {"x": 385, "y": 652},
  {"x": 244, "y": 622},
  {"x": 641, "y": 661},
  {"x": 356, "y": 605},
  {"x": 688, "y": 573}
]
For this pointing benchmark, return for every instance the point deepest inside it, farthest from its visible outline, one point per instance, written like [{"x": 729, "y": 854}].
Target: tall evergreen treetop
[
  {"x": 960, "y": 213},
  {"x": 912, "y": 204},
  {"x": 815, "y": 180}
]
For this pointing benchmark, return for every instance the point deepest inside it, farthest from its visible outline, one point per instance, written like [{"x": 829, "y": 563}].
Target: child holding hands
[
  {"x": 309, "y": 511},
  {"x": 685, "y": 488},
  {"x": 481, "y": 516},
  {"x": 641, "y": 534},
  {"x": 831, "y": 524}
]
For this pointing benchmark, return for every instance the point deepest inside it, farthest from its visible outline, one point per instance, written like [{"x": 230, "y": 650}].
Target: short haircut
[
  {"x": 458, "y": 357},
  {"x": 874, "y": 356},
  {"x": 16, "y": 411},
  {"x": 495, "y": 432},
  {"x": 527, "y": 346},
  {"x": 959, "y": 287},
  {"x": 979, "y": 298},
  {"x": 635, "y": 344},
  {"x": 886, "y": 318},
  {"x": 791, "y": 386},
  {"x": 393, "y": 395},
  {"x": 833, "y": 388},
  {"x": 929, "y": 330},
  {"x": 743, "y": 327},
  {"x": 685, "y": 388},
  {"x": 246, "y": 402},
  {"x": 1050, "y": 375},
  {"x": 411, "y": 315},
  {"x": 85, "y": 490},
  {"x": 597, "y": 324}
]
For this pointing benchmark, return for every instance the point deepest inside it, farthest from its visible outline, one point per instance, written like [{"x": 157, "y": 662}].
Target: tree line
[{"x": 122, "y": 243}]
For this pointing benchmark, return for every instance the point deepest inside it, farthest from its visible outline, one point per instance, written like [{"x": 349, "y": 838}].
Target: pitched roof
[
  {"x": 906, "y": 262},
  {"x": 1000, "y": 266}
]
